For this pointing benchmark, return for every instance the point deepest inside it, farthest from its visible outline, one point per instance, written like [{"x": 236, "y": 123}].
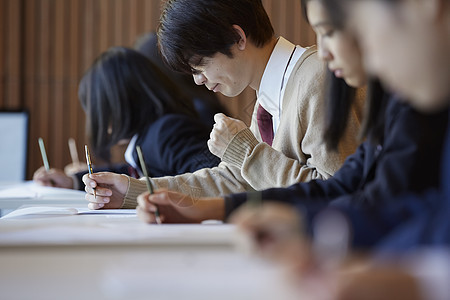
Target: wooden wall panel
[
  {"x": 3, "y": 72},
  {"x": 12, "y": 27},
  {"x": 46, "y": 46}
]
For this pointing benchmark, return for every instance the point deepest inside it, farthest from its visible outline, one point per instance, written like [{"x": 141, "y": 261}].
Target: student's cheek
[{"x": 369, "y": 25}]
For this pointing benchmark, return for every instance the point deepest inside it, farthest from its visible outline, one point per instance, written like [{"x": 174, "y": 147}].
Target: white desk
[
  {"x": 15, "y": 195},
  {"x": 65, "y": 257},
  {"x": 132, "y": 272}
]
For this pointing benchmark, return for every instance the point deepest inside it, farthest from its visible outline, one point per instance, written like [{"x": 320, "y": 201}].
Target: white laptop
[{"x": 13, "y": 145}]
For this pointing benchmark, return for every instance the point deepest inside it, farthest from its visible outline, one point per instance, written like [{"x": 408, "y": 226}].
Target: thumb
[
  {"x": 219, "y": 116},
  {"x": 160, "y": 197}
]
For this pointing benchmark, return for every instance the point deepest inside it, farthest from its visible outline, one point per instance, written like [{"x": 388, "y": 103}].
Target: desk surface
[
  {"x": 136, "y": 261},
  {"x": 115, "y": 256},
  {"x": 131, "y": 272}
]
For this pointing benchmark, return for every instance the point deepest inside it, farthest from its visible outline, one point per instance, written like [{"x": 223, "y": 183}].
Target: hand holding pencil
[{"x": 47, "y": 176}]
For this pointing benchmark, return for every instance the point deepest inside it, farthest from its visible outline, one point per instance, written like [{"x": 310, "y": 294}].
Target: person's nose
[{"x": 199, "y": 79}]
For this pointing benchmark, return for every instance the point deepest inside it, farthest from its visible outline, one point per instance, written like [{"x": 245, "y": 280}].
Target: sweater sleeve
[
  {"x": 207, "y": 182},
  {"x": 298, "y": 153},
  {"x": 398, "y": 167},
  {"x": 315, "y": 193}
]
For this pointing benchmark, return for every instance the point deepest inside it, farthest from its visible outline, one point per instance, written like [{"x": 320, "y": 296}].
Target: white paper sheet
[{"x": 31, "y": 190}]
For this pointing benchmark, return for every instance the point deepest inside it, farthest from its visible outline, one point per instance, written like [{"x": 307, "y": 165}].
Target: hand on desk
[
  {"x": 275, "y": 233},
  {"x": 53, "y": 177},
  {"x": 175, "y": 207},
  {"x": 110, "y": 189},
  {"x": 223, "y": 132}
]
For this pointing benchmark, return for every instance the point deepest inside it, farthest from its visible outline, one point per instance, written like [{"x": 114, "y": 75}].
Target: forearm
[
  {"x": 314, "y": 194},
  {"x": 212, "y": 182},
  {"x": 212, "y": 208}
]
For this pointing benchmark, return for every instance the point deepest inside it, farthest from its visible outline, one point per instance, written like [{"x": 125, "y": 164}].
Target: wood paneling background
[{"x": 46, "y": 45}]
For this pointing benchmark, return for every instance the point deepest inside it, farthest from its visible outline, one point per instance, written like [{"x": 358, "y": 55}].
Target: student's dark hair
[
  {"x": 122, "y": 93},
  {"x": 190, "y": 30},
  {"x": 339, "y": 100},
  {"x": 375, "y": 112}
]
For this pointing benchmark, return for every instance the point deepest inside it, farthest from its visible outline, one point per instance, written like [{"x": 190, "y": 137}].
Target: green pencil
[{"x": 148, "y": 182}]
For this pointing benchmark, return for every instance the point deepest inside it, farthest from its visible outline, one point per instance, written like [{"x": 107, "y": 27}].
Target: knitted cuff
[
  {"x": 135, "y": 188},
  {"x": 240, "y": 147}
]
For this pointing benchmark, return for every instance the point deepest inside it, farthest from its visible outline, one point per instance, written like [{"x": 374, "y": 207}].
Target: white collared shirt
[
  {"x": 129, "y": 153},
  {"x": 284, "y": 57}
]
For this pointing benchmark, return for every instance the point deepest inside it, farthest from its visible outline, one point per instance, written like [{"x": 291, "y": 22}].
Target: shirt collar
[
  {"x": 272, "y": 80},
  {"x": 129, "y": 152}
]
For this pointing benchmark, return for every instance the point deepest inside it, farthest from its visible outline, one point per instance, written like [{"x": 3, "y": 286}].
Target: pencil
[
  {"x": 44, "y": 154},
  {"x": 73, "y": 151},
  {"x": 45, "y": 159},
  {"x": 89, "y": 164},
  {"x": 148, "y": 182}
]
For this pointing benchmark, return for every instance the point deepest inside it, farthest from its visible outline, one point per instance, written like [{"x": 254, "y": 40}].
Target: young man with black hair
[{"x": 229, "y": 45}]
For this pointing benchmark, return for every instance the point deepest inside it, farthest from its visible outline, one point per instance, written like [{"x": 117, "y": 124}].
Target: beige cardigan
[{"x": 297, "y": 153}]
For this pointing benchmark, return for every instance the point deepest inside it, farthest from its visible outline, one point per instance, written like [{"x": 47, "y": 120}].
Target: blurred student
[
  {"x": 388, "y": 164},
  {"x": 127, "y": 99},
  {"x": 412, "y": 251},
  {"x": 227, "y": 55}
]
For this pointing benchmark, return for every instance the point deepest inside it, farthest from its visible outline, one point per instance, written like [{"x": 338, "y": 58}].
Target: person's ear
[{"x": 242, "y": 43}]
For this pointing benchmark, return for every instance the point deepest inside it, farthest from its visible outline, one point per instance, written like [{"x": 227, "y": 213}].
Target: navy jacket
[
  {"x": 406, "y": 160},
  {"x": 411, "y": 220},
  {"x": 172, "y": 145}
]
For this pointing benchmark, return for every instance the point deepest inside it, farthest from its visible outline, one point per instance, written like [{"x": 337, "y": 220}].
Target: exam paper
[
  {"x": 31, "y": 190},
  {"x": 51, "y": 210}
]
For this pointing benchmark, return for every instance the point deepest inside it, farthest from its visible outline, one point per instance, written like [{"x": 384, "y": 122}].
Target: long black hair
[
  {"x": 122, "y": 93},
  {"x": 340, "y": 96}
]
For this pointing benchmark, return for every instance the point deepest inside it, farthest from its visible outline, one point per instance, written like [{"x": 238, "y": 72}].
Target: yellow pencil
[{"x": 89, "y": 164}]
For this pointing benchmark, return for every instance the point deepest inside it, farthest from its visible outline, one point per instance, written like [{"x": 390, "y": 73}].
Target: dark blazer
[
  {"x": 408, "y": 221},
  {"x": 172, "y": 145},
  {"x": 407, "y": 160},
  {"x": 419, "y": 220}
]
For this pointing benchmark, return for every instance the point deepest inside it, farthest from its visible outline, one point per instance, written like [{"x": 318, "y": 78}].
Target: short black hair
[
  {"x": 123, "y": 92},
  {"x": 190, "y": 30}
]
